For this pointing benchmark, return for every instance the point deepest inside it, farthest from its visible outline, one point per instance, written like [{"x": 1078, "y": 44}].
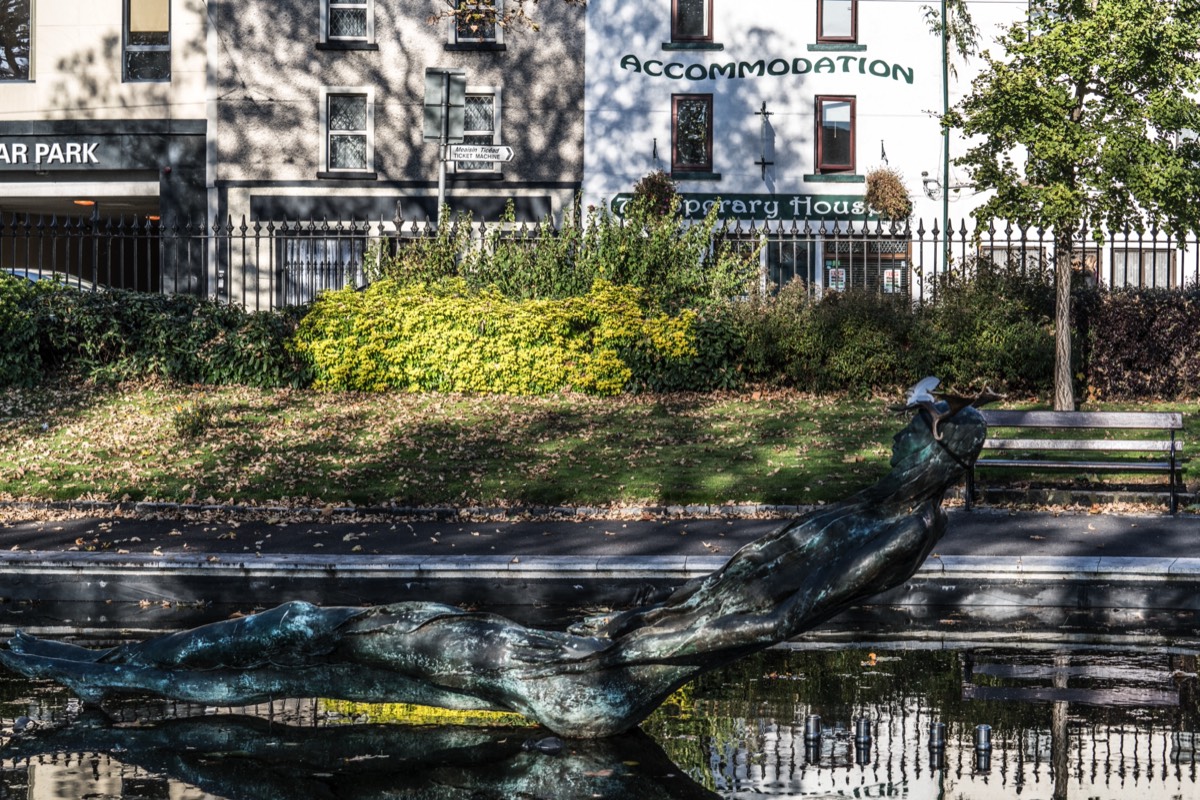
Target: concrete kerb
[{"x": 497, "y": 513}]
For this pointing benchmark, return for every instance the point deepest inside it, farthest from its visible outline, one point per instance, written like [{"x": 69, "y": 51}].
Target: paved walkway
[{"x": 984, "y": 533}]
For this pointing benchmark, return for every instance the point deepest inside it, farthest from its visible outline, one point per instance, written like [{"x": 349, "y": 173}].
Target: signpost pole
[{"x": 443, "y": 143}]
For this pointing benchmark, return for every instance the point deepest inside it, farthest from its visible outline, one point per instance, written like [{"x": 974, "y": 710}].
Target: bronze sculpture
[{"x": 604, "y": 675}]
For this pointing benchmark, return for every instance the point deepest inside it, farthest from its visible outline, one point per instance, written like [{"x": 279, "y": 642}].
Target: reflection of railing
[
  {"x": 758, "y": 746},
  {"x": 268, "y": 264},
  {"x": 743, "y": 737}
]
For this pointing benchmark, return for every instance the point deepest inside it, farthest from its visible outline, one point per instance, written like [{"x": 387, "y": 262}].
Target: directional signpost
[
  {"x": 480, "y": 152},
  {"x": 445, "y": 113}
]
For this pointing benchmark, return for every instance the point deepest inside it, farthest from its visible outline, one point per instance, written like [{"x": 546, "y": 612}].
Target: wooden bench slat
[
  {"x": 1160, "y": 420},
  {"x": 1130, "y": 445},
  {"x": 1082, "y": 466}
]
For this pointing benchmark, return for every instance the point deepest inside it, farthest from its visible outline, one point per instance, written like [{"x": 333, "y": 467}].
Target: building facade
[
  {"x": 319, "y": 117},
  {"x": 102, "y": 118},
  {"x": 284, "y": 136},
  {"x": 776, "y": 112}
]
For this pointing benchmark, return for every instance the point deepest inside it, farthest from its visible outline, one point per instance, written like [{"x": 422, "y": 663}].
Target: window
[
  {"x": 16, "y": 26},
  {"x": 348, "y": 21},
  {"x": 835, "y": 134},
  {"x": 347, "y": 118},
  {"x": 1142, "y": 267},
  {"x": 147, "y": 40},
  {"x": 1026, "y": 259},
  {"x": 837, "y": 20},
  {"x": 475, "y": 23},
  {"x": 318, "y": 257},
  {"x": 481, "y": 125},
  {"x": 691, "y": 21},
  {"x": 691, "y": 133},
  {"x": 879, "y": 264}
]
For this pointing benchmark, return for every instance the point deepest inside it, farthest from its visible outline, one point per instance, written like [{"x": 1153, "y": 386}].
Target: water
[{"x": 1064, "y": 723}]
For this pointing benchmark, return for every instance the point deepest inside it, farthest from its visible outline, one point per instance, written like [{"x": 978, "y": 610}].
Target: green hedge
[
  {"x": 115, "y": 335},
  {"x": 1144, "y": 343},
  {"x": 446, "y": 337},
  {"x": 20, "y": 356}
]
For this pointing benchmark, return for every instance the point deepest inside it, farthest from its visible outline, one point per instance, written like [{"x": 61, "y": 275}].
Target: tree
[{"x": 1081, "y": 124}]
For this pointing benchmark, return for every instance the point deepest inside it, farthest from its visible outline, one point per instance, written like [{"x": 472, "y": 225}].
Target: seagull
[{"x": 922, "y": 395}]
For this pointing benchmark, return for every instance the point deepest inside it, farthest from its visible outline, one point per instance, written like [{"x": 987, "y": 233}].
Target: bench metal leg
[
  {"x": 970, "y": 486},
  {"x": 1172, "y": 477}
]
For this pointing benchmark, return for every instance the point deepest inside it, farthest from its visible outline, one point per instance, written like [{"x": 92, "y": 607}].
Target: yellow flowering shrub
[{"x": 445, "y": 337}]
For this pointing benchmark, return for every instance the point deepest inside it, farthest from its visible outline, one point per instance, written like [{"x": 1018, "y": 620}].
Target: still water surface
[{"x": 1064, "y": 723}]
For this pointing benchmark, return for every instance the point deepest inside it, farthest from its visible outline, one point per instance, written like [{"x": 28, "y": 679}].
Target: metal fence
[{"x": 273, "y": 264}]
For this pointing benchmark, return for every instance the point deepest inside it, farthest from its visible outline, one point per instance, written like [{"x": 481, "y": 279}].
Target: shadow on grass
[{"x": 428, "y": 450}]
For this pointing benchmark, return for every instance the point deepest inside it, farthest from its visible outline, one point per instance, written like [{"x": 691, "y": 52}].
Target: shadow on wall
[
  {"x": 630, "y": 127},
  {"x": 89, "y": 83},
  {"x": 272, "y": 72}
]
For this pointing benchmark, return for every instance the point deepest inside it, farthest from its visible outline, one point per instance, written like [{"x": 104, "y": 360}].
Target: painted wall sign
[
  {"x": 829, "y": 65},
  {"x": 98, "y": 152},
  {"x": 766, "y": 206},
  {"x": 47, "y": 153}
]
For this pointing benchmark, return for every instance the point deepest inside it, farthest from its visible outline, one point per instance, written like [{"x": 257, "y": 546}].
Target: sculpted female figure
[{"x": 601, "y": 677}]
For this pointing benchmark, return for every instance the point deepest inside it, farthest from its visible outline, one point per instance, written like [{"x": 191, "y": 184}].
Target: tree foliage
[
  {"x": 958, "y": 28},
  {"x": 1079, "y": 120},
  {"x": 1083, "y": 122}
]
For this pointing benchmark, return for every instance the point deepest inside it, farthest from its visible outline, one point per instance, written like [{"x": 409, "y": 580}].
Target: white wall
[
  {"x": 76, "y": 66},
  {"x": 628, "y": 110}
]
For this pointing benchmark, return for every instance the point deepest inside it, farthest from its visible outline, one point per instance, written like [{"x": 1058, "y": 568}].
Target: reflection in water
[
  {"x": 1062, "y": 725},
  {"x": 238, "y": 757}
]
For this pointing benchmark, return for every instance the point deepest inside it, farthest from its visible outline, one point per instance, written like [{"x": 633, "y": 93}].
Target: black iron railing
[{"x": 270, "y": 264}]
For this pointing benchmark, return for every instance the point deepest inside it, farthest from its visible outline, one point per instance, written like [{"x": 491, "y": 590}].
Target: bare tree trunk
[{"x": 1064, "y": 387}]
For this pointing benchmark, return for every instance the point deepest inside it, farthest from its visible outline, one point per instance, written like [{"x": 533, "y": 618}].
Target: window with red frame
[
  {"x": 835, "y": 134},
  {"x": 691, "y": 21},
  {"x": 837, "y": 21}
]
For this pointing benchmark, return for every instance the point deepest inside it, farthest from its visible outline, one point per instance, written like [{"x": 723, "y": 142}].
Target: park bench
[{"x": 1088, "y": 450}]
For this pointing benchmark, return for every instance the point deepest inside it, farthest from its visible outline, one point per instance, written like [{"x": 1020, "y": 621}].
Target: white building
[{"x": 779, "y": 111}]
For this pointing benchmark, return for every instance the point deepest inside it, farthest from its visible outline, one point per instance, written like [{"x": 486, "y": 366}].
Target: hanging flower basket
[{"x": 887, "y": 195}]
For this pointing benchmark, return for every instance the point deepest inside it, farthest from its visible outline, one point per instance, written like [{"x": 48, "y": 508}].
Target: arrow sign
[{"x": 480, "y": 152}]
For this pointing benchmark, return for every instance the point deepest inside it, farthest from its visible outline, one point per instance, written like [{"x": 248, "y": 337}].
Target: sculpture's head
[
  {"x": 942, "y": 440},
  {"x": 939, "y": 444}
]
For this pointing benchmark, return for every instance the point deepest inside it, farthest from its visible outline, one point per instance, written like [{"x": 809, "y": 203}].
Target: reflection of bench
[
  {"x": 1109, "y": 682},
  {"x": 1052, "y": 452}
]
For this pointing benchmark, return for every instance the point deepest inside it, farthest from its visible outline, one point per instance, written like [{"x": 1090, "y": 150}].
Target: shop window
[
  {"x": 474, "y": 24},
  {"x": 347, "y": 119},
  {"x": 835, "y": 134},
  {"x": 16, "y": 38},
  {"x": 691, "y": 133},
  {"x": 789, "y": 259},
  {"x": 481, "y": 125},
  {"x": 348, "y": 23},
  {"x": 837, "y": 21},
  {"x": 1142, "y": 267},
  {"x": 147, "y": 40},
  {"x": 691, "y": 21},
  {"x": 875, "y": 264}
]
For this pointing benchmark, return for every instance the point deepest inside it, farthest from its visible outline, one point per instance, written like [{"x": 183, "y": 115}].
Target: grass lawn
[{"x": 172, "y": 443}]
